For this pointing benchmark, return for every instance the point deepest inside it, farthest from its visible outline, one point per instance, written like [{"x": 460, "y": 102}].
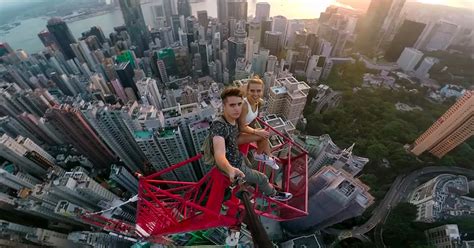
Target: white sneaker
[
  {"x": 281, "y": 196},
  {"x": 267, "y": 160}
]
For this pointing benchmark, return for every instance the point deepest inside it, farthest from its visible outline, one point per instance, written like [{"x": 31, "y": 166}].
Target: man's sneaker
[
  {"x": 267, "y": 160},
  {"x": 281, "y": 196}
]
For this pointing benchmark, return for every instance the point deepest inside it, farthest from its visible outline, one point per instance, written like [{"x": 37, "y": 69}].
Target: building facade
[{"x": 450, "y": 130}]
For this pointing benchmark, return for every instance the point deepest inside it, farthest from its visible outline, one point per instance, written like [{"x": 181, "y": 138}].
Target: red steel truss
[{"x": 169, "y": 207}]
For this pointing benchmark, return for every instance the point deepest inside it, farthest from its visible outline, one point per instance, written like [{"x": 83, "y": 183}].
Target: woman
[{"x": 248, "y": 134}]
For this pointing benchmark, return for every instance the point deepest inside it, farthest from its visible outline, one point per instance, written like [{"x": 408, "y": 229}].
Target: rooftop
[
  {"x": 166, "y": 132},
  {"x": 143, "y": 134}
]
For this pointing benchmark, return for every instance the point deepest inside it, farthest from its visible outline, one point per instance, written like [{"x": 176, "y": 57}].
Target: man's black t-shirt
[{"x": 220, "y": 127}]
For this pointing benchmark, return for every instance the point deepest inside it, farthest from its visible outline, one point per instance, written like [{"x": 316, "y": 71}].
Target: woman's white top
[{"x": 251, "y": 115}]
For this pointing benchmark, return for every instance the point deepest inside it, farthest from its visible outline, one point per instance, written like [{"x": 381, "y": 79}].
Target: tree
[
  {"x": 377, "y": 151},
  {"x": 400, "y": 229},
  {"x": 370, "y": 180}
]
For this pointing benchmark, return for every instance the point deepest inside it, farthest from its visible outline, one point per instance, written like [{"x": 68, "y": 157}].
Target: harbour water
[{"x": 24, "y": 36}]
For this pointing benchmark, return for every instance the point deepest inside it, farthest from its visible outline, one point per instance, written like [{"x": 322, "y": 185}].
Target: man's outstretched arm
[{"x": 222, "y": 162}]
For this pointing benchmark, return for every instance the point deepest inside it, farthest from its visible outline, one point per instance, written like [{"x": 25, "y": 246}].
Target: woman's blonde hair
[{"x": 255, "y": 80}]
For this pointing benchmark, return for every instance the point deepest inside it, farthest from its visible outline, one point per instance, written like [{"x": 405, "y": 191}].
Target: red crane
[{"x": 170, "y": 207}]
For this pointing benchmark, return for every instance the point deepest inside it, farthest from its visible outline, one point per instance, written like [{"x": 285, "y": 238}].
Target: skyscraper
[
  {"x": 333, "y": 195},
  {"x": 262, "y": 11},
  {"x": 237, "y": 46},
  {"x": 120, "y": 175},
  {"x": 110, "y": 125},
  {"x": 17, "y": 153},
  {"x": 168, "y": 57},
  {"x": 202, "y": 18},
  {"x": 390, "y": 22},
  {"x": 69, "y": 122},
  {"x": 174, "y": 150},
  {"x": 5, "y": 49},
  {"x": 237, "y": 9},
  {"x": 222, "y": 11},
  {"x": 287, "y": 98},
  {"x": 273, "y": 42},
  {"x": 135, "y": 24},
  {"x": 46, "y": 38},
  {"x": 437, "y": 36},
  {"x": 125, "y": 74},
  {"x": 378, "y": 23},
  {"x": 255, "y": 31},
  {"x": 406, "y": 36},
  {"x": 153, "y": 153},
  {"x": 62, "y": 36},
  {"x": 184, "y": 8},
  {"x": 279, "y": 24},
  {"x": 451, "y": 129}
]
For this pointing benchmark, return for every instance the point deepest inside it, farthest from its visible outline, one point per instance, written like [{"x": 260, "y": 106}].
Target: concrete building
[
  {"x": 13, "y": 128},
  {"x": 389, "y": 25},
  {"x": 72, "y": 125},
  {"x": 262, "y": 11},
  {"x": 293, "y": 27},
  {"x": 237, "y": 47},
  {"x": 63, "y": 37},
  {"x": 425, "y": 66},
  {"x": 14, "y": 151},
  {"x": 437, "y": 36},
  {"x": 97, "y": 239},
  {"x": 148, "y": 90},
  {"x": 445, "y": 236},
  {"x": 288, "y": 98},
  {"x": 279, "y": 24},
  {"x": 183, "y": 116},
  {"x": 450, "y": 130},
  {"x": 237, "y": 9},
  {"x": 38, "y": 236},
  {"x": 314, "y": 68},
  {"x": 120, "y": 175},
  {"x": 278, "y": 124},
  {"x": 323, "y": 151},
  {"x": 326, "y": 98},
  {"x": 334, "y": 196},
  {"x": 174, "y": 150},
  {"x": 109, "y": 124},
  {"x": 153, "y": 153},
  {"x": 442, "y": 197},
  {"x": 272, "y": 42},
  {"x": 81, "y": 188},
  {"x": 379, "y": 23},
  {"x": 222, "y": 15},
  {"x": 17, "y": 180},
  {"x": 135, "y": 24},
  {"x": 406, "y": 36},
  {"x": 255, "y": 32},
  {"x": 409, "y": 58},
  {"x": 199, "y": 131}
]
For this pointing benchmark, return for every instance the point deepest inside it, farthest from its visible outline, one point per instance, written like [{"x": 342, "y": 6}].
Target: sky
[{"x": 454, "y": 3}]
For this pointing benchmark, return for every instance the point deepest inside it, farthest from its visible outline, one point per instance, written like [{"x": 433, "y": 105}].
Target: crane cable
[{"x": 132, "y": 199}]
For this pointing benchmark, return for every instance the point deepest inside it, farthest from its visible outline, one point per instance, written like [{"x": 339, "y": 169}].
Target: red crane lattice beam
[{"x": 169, "y": 207}]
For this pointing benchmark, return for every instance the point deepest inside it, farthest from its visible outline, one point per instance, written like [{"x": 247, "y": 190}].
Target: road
[{"x": 396, "y": 193}]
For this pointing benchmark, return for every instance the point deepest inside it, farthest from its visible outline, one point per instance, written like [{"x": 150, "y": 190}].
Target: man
[{"x": 223, "y": 133}]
